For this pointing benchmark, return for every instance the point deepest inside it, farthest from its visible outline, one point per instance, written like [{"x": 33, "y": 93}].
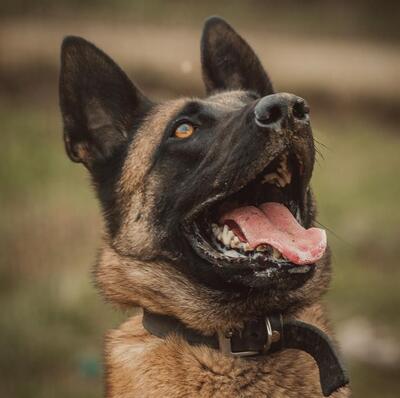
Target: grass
[{"x": 53, "y": 319}]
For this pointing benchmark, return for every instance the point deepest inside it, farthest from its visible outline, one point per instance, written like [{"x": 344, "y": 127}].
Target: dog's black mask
[{"x": 239, "y": 139}]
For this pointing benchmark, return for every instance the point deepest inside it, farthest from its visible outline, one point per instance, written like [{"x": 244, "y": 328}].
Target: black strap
[
  {"x": 163, "y": 325},
  {"x": 251, "y": 338},
  {"x": 262, "y": 337},
  {"x": 305, "y": 337}
]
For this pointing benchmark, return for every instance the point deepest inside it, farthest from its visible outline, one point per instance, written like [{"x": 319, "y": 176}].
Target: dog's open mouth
[{"x": 260, "y": 227}]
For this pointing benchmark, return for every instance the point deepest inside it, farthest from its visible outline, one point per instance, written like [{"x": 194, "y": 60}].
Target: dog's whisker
[
  {"x": 322, "y": 144},
  {"x": 336, "y": 235}
]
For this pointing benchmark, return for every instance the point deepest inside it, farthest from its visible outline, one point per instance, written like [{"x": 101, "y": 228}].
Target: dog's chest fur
[{"x": 141, "y": 365}]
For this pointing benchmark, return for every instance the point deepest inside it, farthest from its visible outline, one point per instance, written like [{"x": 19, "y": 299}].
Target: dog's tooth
[
  {"x": 215, "y": 229},
  {"x": 225, "y": 240},
  {"x": 283, "y": 181},
  {"x": 224, "y": 232},
  {"x": 247, "y": 247},
  {"x": 278, "y": 182},
  {"x": 269, "y": 178},
  {"x": 226, "y": 235},
  {"x": 231, "y": 237},
  {"x": 276, "y": 253},
  {"x": 244, "y": 246},
  {"x": 235, "y": 242},
  {"x": 286, "y": 175}
]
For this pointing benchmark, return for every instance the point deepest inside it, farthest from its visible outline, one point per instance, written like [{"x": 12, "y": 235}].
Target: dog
[{"x": 208, "y": 226}]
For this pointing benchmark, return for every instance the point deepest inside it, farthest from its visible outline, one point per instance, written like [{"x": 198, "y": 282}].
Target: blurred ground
[{"x": 344, "y": 58}]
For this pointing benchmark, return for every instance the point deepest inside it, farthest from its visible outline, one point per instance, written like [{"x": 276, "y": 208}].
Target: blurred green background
[{"x": 342, "y": 56}]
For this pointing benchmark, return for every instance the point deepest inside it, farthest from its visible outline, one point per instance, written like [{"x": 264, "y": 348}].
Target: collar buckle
[{"x": 225, "y": 343}]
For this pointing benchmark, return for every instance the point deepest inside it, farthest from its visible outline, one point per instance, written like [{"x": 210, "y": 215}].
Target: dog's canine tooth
[{"x": 226, "y": 235}]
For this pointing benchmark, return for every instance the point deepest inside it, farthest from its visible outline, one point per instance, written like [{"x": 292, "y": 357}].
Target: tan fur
[{"x": 135, "y": 192}]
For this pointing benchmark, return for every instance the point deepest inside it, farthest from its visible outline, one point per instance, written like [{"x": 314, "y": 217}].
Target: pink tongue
[{"x": 273, "y": 224}]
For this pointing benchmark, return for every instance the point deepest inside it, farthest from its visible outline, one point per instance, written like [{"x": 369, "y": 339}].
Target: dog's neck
[
  {"x": 160, "y": 288},
  {"x": 259, "y": 338}
]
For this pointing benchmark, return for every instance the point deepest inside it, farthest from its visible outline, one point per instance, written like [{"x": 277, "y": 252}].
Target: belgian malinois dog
[{"x": 208, "y": 228}]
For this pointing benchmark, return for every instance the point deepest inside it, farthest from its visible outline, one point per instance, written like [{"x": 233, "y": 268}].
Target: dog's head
[{"x": 212, "y": 192}]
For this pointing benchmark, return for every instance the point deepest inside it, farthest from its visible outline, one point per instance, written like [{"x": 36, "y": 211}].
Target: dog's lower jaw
[{"x": 138, "y": 364}]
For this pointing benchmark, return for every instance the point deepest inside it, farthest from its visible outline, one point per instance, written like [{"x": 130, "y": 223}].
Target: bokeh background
[{"x": 342, "y": 56}]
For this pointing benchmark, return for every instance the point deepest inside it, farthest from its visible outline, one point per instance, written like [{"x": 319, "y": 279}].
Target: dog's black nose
[{"x": 276, "y": 108}]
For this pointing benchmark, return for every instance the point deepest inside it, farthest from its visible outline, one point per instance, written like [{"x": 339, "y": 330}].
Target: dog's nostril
[
  {"x": 270, "y": 115},
  {"x": 300, "y": 109}
]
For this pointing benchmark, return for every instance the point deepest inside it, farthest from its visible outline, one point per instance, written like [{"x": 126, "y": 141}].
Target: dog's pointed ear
[
  {"x": 99, "y": 104},
  {"x": 228, "y": 62}
]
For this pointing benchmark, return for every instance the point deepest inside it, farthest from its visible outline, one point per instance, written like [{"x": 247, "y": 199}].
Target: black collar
[{"x": 262, "y": 337}]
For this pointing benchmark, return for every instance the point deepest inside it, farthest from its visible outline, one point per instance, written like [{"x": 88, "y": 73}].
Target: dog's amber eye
[{"x": 184, "y": 130}]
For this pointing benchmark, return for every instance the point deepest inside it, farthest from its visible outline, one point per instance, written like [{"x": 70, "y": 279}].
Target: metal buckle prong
[
  {"x": 225, "y": 346},
  {"x": 268, "y": 343}
]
